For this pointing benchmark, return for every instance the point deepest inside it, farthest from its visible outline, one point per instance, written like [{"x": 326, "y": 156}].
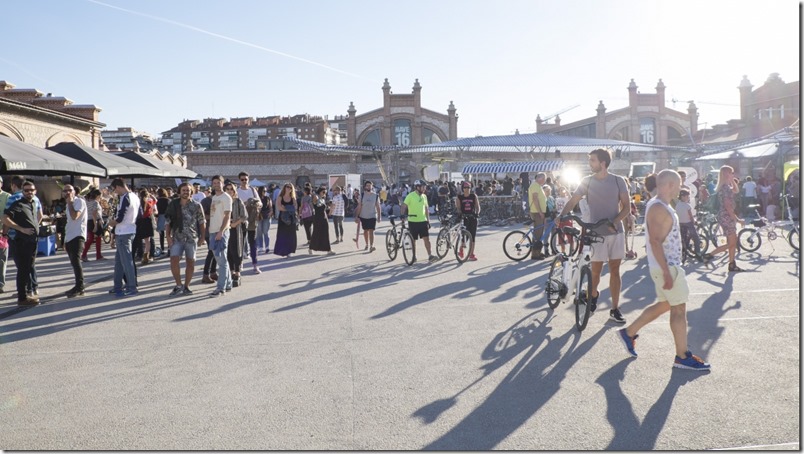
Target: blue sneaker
[
  {"x": 119, "y": 293},
  {"x": 630, "y": 342},
  {"x": 131, "y": 292},
  {"x": 691, "y": 362}
]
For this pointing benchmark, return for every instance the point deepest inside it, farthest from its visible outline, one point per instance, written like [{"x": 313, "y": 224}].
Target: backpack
[
  {"x": 306, "y": 210},
  {"x": 712, "y": 204}
]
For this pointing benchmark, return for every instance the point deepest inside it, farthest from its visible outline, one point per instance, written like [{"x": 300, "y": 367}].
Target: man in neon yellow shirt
[
  {"x": 415, "y": 206},
  {"x": 537, "y": 202}
]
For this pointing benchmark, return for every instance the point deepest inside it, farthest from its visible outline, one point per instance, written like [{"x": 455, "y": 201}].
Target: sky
[{"x": 150, "y": 64}]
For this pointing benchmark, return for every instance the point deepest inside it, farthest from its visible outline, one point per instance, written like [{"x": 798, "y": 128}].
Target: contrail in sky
[{"x": 227, "y": 38}]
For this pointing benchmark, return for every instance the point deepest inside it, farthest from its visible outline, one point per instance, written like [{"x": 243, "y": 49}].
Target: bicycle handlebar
[{"x": 587, "y": 225}]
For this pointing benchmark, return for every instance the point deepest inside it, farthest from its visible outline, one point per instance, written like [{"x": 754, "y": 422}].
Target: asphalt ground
[{"x": 354, "y": 352}]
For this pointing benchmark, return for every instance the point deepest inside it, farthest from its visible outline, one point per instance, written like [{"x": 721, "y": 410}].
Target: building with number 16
[{"x": 401, "y": 121}]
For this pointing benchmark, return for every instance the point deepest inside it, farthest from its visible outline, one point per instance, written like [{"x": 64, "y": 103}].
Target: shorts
[
  {"x": 679, "y": 294},
  {"x": 368, "y": 223},
  {"x": 419, "y": 230},
  {"x": 612, "y": 248},
  {"x": 188, "y": 249}
]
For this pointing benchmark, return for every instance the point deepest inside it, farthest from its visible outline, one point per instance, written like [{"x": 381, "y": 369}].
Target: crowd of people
[{"x": 233, "y": 222}]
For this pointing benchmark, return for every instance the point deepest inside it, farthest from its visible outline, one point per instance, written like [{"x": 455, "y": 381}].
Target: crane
[{"x": 550, "y": 117}]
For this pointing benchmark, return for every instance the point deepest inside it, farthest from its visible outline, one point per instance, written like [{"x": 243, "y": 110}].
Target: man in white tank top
[{"x": 664, "y": 260}]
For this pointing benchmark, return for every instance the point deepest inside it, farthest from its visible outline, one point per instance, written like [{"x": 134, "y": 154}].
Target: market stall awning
[
  {"x": 27, "y": 159},
  {"x": 755, "y": 151},
  {"x": 536, "y": 142},
  {"x": 161, "y": 168},
  {"x": 115, "y": 165},
  {"x": 512, "y": 167}
]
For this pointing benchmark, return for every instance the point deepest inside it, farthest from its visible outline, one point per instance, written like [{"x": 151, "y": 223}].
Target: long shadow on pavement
[
  {"x": 629, "y": 433},
  {"x": 531, "y": 383}
]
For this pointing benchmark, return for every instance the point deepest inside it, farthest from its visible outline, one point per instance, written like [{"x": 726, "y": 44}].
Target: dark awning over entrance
[
  {"x": 27, "y": 159},
  {"x": 115, "y": 165},
  {"x": 161, "y": 169}
]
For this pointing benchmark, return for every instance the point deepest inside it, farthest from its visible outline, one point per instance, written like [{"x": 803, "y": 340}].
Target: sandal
[{"x": 733, "y": 268}]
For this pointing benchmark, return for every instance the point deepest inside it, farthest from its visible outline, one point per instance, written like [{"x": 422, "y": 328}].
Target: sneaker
[
  {"x": 472, "y": 258},
  {"x": 257, "y": 270},
  {"x": 615, "y": 315},
  {"x": 73, "y": 292},
  {"x": 372, "y": 249},
  {"x": 691, "y": 362},
  {"x": 593, "y": 304},
  {"x": 217, "y": 292},
  {"x": 366, "y": 248},
  {"x": 131, "y": 292},
  {"x": 84, "y": 259},
  {"x": 186, "y": 291},
  {"x": 432, "y": 258},
  {"x": 28, "y": 301},
  {"x": 206, "y": 280},
  {"x": 214, "y": 276},
  {"x": 177, "y": 290},
  {"x": 630, "y": 342}
]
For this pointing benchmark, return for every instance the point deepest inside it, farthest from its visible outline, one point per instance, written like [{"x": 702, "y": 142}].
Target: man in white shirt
[
  {"x": 198, "y": 194},
  {"x": 75, "y": 236},
  {"x": 220, "y": 212},
  {"x": 749, "y": 194},
  {"x": 124, "y": 223}
]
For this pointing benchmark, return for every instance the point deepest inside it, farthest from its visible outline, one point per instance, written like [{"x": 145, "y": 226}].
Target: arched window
[
  {"x": 430, "y": 136},
  {"x": 372, "y": 139}
]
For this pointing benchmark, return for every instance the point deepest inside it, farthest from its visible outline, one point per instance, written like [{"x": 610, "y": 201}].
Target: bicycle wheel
[
  {"x": 555, "y": 287},
  {"x": 570, "y": 243},
  {"x": 464, "y": 246},
  {"x": 442, "y": 243},
  {"x": 716, "y": 236},
  {"x": 408, "y": 253},
  {"x": 391, "y": 244},
  {"x": 794, "y": 239},
  {"x": 582, "y": 307},
  {"x": 516, "y": 245},
  {"x": 749, "y": 239}
]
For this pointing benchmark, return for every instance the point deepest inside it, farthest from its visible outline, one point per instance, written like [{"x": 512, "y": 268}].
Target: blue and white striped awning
[{"x": 512, "y": 167}]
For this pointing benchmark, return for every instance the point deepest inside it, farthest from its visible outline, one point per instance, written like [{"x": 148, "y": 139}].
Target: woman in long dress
[
  {"x": 319, "y": 240},
  {"x": 288, "y": 222}
]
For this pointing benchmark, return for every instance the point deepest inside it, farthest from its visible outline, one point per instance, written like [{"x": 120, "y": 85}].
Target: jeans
[
  {"x": 263, "y": 233},
  {"x": 74, "y": 249},
  {"x": 25, "y": 259},
  {"x": 337, "y": 221},
  {"x": 124, "y": 263},
  {"x": 252, "y": 245},
  {"x": 224, "y": 276},
  {"x": 3, "y": 260}
]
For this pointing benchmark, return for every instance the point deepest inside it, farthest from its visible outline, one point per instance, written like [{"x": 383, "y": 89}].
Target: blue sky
[{"x": 151, "y": 64}]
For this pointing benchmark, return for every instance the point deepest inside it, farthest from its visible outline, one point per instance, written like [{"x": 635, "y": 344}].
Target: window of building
[
  {"x": 430, "y": 136},
  {"x": 781, "y": 111},
  {"x": 759, "y": 114},
  {"x": 673, "y": 134},
  {"x": 770, "y": 112},
  {"x": 402, "y": 133},
  {"x": 372, "y": 139}
]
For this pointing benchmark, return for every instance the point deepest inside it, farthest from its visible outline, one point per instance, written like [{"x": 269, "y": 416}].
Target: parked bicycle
[
  {"x": 399, "y": 237},
  {"x": 453, "y": 235},
  {"x": 570, "y": 277},
  {"x": 517, "y": 244},
  {"x": 750, "y": 238}
]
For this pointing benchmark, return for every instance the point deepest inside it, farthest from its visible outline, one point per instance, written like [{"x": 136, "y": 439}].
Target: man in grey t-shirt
[
  {"x": 607, "y": 195},
  {"x": 367, "y": 213}
]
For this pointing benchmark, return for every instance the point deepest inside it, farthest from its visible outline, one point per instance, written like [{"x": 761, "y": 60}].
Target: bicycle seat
[{"x": 571, "y": 231}]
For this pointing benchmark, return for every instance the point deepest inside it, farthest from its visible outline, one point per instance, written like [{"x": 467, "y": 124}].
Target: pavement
[{"x": 354, "y": 352}]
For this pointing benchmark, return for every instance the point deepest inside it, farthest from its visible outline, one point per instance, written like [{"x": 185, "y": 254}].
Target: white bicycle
[
  {"x": 570, "y": 277},
  {"x": 455, "y": 236}
]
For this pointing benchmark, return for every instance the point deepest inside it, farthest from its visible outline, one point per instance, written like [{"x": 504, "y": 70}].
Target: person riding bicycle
[
  {"x": 415, "y": 206},
  {"x": 468, "y": 205}
]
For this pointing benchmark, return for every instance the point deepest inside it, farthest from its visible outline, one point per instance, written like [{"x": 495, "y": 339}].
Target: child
[{"x": 687, "y": 222}]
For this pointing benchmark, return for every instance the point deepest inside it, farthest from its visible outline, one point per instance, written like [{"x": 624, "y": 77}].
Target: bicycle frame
[{"x": 572, "y": 273}]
